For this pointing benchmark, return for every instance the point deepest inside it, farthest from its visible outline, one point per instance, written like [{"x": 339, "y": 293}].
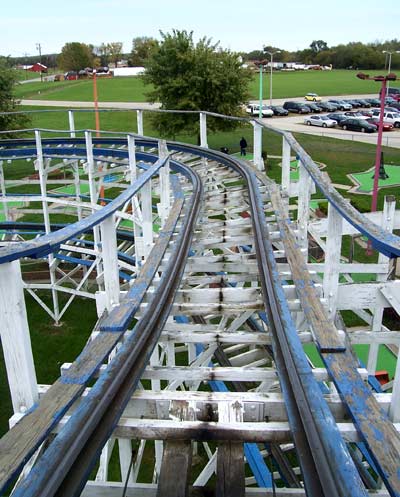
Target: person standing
[{"x": 243, "y": 146}]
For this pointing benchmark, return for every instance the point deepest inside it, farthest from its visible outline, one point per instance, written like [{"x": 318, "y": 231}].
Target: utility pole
[{"x": 39, "y": 47}]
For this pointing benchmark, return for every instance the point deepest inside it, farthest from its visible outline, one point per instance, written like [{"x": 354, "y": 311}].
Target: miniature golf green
[{"x": 365, "y": 180}]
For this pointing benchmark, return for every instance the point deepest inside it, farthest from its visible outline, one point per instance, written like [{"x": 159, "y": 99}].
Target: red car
[{"x": 386, "y": 126}]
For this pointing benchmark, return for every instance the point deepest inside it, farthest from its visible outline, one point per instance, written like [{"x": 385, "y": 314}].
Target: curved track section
[{"x": 201, "y": 290}]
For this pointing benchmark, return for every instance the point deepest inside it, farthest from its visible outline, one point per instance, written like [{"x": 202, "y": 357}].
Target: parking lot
[{"x": 295, "y": 124}]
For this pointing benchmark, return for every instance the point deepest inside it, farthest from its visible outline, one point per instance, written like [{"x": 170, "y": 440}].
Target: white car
[
  {"x": 254, "y": 110},
  {"x": 390, "y": 117},
  {"x": 322, "y": 121}
]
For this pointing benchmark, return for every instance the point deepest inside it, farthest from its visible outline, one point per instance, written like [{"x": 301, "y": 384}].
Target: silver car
[{"x": 322, "y": 121}]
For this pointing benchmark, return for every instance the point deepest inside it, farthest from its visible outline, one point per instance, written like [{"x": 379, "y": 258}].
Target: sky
[{"x": 239, "y": 25}]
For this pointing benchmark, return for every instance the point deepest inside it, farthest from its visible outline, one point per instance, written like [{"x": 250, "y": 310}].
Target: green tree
[
  {"x": 8, "y": 103},
  {"x": 114, "y": 51},
  {"x": 142, "y": 48},
  {"x": 75, "y": 56},
  {"x": 189, "y": 76},
  {"x": 318, "y": 46}
]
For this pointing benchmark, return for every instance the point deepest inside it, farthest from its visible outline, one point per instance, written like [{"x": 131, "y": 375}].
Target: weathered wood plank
[
  {"x": 230, "y": 470},
  {"x": 175, "y": 469}
]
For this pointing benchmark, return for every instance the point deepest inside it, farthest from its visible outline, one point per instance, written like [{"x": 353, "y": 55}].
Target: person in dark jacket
[{"x": 243, "y": 146}]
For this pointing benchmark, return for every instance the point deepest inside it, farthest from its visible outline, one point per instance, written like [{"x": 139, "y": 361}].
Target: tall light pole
[
  {"x": 39, "y": 47},
  {"x": 384, "y": 80},
  {"x": 389, "y": 65},
  {"x": 271, "y": 54},
  {"x": 261, "y": 64}
]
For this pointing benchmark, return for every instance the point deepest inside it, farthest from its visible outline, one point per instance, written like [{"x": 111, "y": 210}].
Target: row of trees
[{"x": 354, "y": 55}]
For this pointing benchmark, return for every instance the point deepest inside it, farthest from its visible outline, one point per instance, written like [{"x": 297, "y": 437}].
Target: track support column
[
  {"x": 40, "y": 166},
  {"x": 3, "y": 191},
  {"x": 71, "y": 123},
  {"x": 164, "y": 205},
  {"x": 110, "y": 261},
  {"x": 303, "y": 208},
  {"x": 139, "y": 120},
  {"x": 257, "y": 147},
  {"x": 136, "y": 212},
  {"x": 332, "y": 259},
  {"x": 203, "y": 130},
  {"x": 147, "y": 214},
  {"x": 387, "y": 224},
  {"x": 15, "y": 339},
  {"x": 285, "y": 180}
]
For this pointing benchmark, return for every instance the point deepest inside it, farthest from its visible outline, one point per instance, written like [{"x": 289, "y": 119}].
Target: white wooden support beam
[
  {"x": 71, "y": 123},
  {"x": 303, "y": 209},
  {"x": 164, "y": 205},
  {"x": 77, "y": 185},
  {"x": 136, "y": 212},
  {"x": 394, "y": 410},
  {"x": 3, "y": 191},
  {"x": 387, "y": 223},
  {"x": 15, "y": 339},
  {"x": 203, "y": 130},
  {"x": 110, "y": 261},
  {"x": 257, "y": 150},
  {"x": 332, "y": 259},
  {"x": 40, "y": 165},
  {"x": 125, "y": 457},
  {"x": 147, "y": 213},
  {"x": 139, "y": 120},
  {"x": 285, "y": 181},
  {"x": 93, "y": 195}
]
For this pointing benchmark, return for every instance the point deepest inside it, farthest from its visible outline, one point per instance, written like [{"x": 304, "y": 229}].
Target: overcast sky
[{"x": 240, "y": 25}]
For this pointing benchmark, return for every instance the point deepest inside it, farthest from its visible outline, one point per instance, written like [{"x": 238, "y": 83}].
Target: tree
[
  {"x": 114, "y": 50},
  {"x": 8, "y": 103},
  {"x": 189, "y": 76},
  {"x": 75, "y": 56},
  {"x": 142, "y": 48},
  {"x": 318, "y": 46}
]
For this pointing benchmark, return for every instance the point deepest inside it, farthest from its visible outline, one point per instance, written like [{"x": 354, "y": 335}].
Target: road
[{"x": 292, "y": 123}]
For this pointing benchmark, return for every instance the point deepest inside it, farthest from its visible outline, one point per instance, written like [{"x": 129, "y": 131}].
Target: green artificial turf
[{"x": 365, "y": 180}]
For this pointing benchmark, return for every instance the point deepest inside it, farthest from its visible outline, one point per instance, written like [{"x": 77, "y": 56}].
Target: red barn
[{"x": 38, "y": 67}]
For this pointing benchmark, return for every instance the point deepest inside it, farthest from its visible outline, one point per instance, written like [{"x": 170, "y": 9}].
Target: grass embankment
[{"x": 132, "y": 89}]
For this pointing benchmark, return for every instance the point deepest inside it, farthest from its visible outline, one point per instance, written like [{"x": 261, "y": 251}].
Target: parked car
[
  {"x": 390, "y": 117},
  {"x": 393, "y": 92},
  {"x": 373, "y": 101},
  {"x": 341, "y": 104},
  {"x": 323, "y": 121},
  {"x": 314, "y": 107},
  {"x": 358, "y": 114},
  {"x": 354, "y": 103},
  {"x": 278, "y": 110},
  {"x": 358, "y": 125},
  {"x": 312, "y": 97},
  {"x": 363, "y": 102},
  {"x": 387, "y": 126},
  {"x": 327, "y": 106},
  {"x": 296, "y": 107},
  {"x": 337, "y": 116},
  {"x": 254, "y": 110}
]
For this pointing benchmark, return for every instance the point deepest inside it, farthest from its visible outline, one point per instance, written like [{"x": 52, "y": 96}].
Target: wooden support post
[
  {"x": 15, "y": 339},
  {"x": 175, "y": 469},
  {"x": 136, "y": 212},
  {"x": 3, "y": 192},
  {"x": 257, "y": 150},
  {"x": 164, "y": 205},
  {"x": 203, "y": 130},
  {"x": 93, "y": 199},
  {"x": 387, "y": 223},
  {"x": 303, "y": 208},
  {"x": 147, "y": 214},
  {"x": 139, "y": 120},
  {"x": 71, "y": 123},
  {"x": 41, "y": 167},
  {"x": 77, "y": 184},
  {"x": 125, "y": 457},
  {"x": 110, "y": 261},
  {"x": 394, "y": 410},
  {"x": 230, "y": 460},
  {"x": 285, "y": 181},
  {"x": 332, "y": 259}
]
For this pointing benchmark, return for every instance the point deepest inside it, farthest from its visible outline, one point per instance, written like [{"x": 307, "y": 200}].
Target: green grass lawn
[{"x": 132, "y": 89}]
